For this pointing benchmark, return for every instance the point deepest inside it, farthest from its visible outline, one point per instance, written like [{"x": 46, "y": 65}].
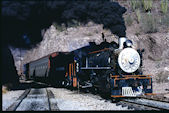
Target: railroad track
[
  {"x": 145, "y": 104},
  {"x": 35, "y": 99},
  {"x": 141, "y": 103},
  {"x": 42, "y": 99},
  {"x": 156, "y": 97}
]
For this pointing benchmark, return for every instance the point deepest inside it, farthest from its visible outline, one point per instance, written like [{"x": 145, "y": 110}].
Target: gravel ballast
[
  {"x": 36, "y": 100},
  {"x": 71, "y": 100},
  {"x": 10, "y": 97},
  {"x": 63, "y": 99}
]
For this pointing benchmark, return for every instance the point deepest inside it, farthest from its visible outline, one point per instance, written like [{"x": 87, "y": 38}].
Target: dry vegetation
[
  {"x": 151, "y": 16},
  {"x": 4, "y": 89}
]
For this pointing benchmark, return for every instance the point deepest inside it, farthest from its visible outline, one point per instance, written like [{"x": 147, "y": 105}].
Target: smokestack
[{"x": 121, "y": 41}]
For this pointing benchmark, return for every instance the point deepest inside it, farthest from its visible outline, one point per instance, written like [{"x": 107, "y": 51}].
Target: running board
[{"x": 95, "y": 68}]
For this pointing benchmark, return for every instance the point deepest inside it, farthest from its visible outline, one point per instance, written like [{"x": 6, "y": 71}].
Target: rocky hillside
[
  {"x": 154, "y": 40},
  {"x": 68, "y": 40},
  {"x": 148, "y": 26}
]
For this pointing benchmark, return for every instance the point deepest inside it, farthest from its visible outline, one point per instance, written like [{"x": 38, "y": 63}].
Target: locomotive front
[{"x": 127, "y": 79}]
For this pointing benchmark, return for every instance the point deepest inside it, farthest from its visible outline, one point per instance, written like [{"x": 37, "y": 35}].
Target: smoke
[{"x": 22, "y": 21}]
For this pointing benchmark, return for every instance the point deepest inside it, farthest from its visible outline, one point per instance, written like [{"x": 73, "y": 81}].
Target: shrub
[
  {"x": 59, "y": 27},
  {"x": 162, "y": 77},
  {"x": 73, "y": 23},
  {"x": 149, "y": 23},
  {"x": 147, "y": 5},
  {"x": 128, "y": 20},
  {"x": 135, "y": 4},
  {"x": 137, "y": 33},
  {"x": 164, "y": 6},
  {"x": 165, "y": 20},
  {"x": 89, "y": 34},
  {"x": 4, "y": 89},
  {"x": 138, "y": 14}
]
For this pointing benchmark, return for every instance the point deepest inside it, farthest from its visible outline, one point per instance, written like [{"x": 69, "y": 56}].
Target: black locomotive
[{"x": 111, "y": 68}]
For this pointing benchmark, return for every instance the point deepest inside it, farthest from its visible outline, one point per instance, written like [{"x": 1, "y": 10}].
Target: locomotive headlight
[
  {"x": 128, "y": 43},
  {"x": 129, "y": 60}
]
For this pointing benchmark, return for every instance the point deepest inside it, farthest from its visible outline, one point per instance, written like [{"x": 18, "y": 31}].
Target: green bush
[
  {"x": 149, "y": 23},
  {"x": 165, "y": 20},
  {"x": 147, "y": 5},
  {"x": 63, "y": 27},
  {"x": 164, "y": 6},
  {"x": 128, "y": 20},
  {"x": 73, "y": 23},
  {"x": 135, "y": 4},
  {"x": 137, "y": 32},
  {"x": 138, "y": 14},
  {"x": 59, "y": 27}
]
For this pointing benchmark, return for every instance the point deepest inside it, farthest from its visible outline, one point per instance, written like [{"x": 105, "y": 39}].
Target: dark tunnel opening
[{"x": 22, "y": 22}]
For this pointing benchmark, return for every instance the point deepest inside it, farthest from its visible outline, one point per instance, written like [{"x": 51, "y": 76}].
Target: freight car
[{"x": 110, "y": 68}]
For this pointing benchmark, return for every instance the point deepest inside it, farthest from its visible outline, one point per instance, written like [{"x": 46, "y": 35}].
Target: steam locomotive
[{"x": 111, "y": 68}]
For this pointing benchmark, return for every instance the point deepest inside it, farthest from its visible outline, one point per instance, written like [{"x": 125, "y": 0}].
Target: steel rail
[
  {"x": 15, "y": 105},
  {"x": 149, "y": 103},
  {"x": 52, "y": 106},
  {"x": 155, "y": 99}
]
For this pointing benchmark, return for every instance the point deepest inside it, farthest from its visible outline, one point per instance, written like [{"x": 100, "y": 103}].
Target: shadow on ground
[{"x": 29, "y": 84}]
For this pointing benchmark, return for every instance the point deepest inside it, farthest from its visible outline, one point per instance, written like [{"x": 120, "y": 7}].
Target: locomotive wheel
[
  {"x": 94, "y": 90},
  {"x": 106, "y": 82}
]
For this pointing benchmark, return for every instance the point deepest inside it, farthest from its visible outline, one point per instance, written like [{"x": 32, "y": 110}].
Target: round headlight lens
[
  {"x": 129, "y": 60},
  {"x": 129, "y": 43}
]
